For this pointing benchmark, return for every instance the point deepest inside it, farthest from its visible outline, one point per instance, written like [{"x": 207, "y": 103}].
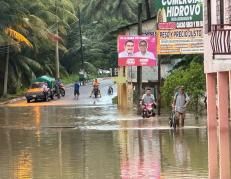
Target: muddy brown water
[{"x": 98, "y": 142}]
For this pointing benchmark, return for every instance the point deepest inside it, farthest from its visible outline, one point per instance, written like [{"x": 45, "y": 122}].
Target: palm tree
[
  {"x": 36, "y": 21},
  {"x": 123, "y": 9},
  {"x": 20, "y": 38}
]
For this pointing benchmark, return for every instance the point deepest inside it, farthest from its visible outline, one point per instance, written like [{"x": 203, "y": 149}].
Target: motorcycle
[
  {"x": 96, "y": 92},
  {"x": 59, "y": 90},
  {"x": 110, "y": 91},
  {"x": 148, "y": 110}
]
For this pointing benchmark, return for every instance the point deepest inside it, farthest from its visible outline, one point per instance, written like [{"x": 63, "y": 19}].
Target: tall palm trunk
[
  {"x": 148, "y": 13},
  {"x": 6, "y": 71}
]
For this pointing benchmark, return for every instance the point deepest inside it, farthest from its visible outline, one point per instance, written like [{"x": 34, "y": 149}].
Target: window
[
  {"x": 207, "y": 16},
  {"x": 222, "y": 12}
]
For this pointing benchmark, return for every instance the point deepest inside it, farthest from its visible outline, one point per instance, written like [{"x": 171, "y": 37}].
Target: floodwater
[{"x": 98, "y": 142}]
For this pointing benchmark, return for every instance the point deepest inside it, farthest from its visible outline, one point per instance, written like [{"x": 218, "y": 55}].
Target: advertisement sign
[
  {"x": 136, "y": 51},
  {"x": 180, "y": 41},
  {"x": 176, "y": 14}
]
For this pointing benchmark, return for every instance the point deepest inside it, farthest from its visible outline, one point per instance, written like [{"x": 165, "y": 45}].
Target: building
[
  {"x": 217, "y": 38},
  {"x": 217, "y": 66}
]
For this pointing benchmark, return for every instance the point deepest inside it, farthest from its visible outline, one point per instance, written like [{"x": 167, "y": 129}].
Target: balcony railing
[{"x": 221, "y": 39}]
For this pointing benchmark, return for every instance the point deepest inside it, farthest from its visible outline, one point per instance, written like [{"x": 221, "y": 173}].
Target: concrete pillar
[
  {"x": 211, "y": 100},
  {"x": 223, "y": 104},
  {"x": 222, "y": 85},
  {"x": 229, "y": 94},
  {"x": 213, "y": 153}
]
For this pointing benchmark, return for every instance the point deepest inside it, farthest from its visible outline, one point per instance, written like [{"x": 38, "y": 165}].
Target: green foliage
[
  {"x": 70, "y": 79},
  {"x": 99, "y": 45},
  {"x": 192, "y": 78},
  {"x": 38, "y": 20}
]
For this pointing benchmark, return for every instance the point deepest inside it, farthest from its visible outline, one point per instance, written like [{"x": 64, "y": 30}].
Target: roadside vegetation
[{"x": 189, "y": 73}]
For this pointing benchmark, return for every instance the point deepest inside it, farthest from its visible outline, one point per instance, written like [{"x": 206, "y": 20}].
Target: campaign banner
[
  {"x": 176, "y": 14},
  {"x": 180, "y": 41},
  {"x": 137, "y": 51}
]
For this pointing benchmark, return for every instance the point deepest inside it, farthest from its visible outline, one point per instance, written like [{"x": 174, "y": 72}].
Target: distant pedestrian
[{"x": 76, "y": 90}]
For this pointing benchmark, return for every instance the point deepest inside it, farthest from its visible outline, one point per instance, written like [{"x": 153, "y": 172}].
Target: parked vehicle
[
  {"x": 39, "y": 91},
  {"x": 148, "y": 110},
  {"x": 42, "y": 88}
]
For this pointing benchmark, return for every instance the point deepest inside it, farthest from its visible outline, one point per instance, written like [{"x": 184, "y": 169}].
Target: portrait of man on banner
[
  {"x": 128, "y": 49},
  {"x": 144, "y": 53}
]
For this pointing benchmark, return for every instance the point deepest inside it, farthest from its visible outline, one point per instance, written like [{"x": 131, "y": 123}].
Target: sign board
[
  {"x": 177, "y": 14},
  {"x": 180, "y": 41},
  {"x": 137, "y": 51},
  {"x": 180, "y": 27}
]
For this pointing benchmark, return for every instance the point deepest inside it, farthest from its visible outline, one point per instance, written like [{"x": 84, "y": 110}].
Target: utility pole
[
  {"x": 139, "y": 68},
  {"x": 6, "y": 71},
  {"x": 57, "y": 46},
  {"x": 159, "y": 83},
  {"x": 81, "y": 40},
  {"x": 57, "y": 53}
]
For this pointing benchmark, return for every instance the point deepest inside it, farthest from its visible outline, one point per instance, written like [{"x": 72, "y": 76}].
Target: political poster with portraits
[{"x": 136, "y": 50}]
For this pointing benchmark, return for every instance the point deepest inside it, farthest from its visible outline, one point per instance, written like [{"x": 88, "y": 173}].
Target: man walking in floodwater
[
  {"x": 76, "y": 90},
  {"x": 180, "y": 103}
]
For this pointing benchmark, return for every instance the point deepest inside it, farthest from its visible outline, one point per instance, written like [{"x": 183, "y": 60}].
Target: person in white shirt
[
  {"x": 128, "y": 50},
  {"x": 45, "y": 88},
  {"x": 144, "y": 53}
]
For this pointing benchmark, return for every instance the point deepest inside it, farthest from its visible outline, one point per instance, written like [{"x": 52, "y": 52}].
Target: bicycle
[{"x": 172, "y": 119}]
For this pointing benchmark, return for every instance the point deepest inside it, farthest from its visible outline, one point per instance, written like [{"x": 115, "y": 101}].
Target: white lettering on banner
[
  {"x": 144, "y": 60},
  {"x": 182, "y": 11},
  {"x": 179, "y": 2},
  {"x": 131, "y": 61}
]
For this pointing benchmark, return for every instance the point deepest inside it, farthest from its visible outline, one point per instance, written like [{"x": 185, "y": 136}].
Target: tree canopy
[{"x": 33, "y": 24}]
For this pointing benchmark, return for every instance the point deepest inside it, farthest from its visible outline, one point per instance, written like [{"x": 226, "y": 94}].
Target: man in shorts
[
  {"x": 76, "y": 90},
  {"x": 180, "y": 103}
]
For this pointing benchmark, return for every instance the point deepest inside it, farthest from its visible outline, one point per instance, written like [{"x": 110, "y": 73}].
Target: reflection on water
[
  {"x": 219, "y": 150},
  {"x": 54, "y": 142},
  {"x": 140, "y": 155},
  {"x": 24, "y": 166}
]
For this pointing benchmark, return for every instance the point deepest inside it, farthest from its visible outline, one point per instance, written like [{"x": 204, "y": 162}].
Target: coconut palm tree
[{"x": 23, "y": 19}]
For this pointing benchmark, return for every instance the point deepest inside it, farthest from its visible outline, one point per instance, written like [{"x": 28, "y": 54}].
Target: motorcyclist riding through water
[
  {"x": 147, "y": 100},
  {"x": 95, "y": 89},
  {"x": 110, "y": 90}
]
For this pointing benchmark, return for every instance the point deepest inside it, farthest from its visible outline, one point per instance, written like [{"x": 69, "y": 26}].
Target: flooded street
[
  {"x": 98, "y": 141},
  {"x": 95, "y": 142}
]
